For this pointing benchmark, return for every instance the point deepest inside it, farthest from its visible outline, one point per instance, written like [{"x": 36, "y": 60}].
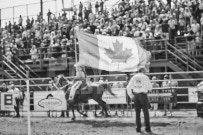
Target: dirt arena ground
[{"x": 181, "y": 123}]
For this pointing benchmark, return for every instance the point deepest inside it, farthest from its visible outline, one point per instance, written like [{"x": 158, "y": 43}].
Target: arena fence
[{"x": 185, "y": 90}]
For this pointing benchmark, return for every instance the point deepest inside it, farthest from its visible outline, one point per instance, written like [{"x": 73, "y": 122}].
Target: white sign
[
  {"x": 192, "y": 91},
  {"x": 49, "y": 100},
  {"x": 7, "y": 101},
  {"x": 119, "y": 98}
]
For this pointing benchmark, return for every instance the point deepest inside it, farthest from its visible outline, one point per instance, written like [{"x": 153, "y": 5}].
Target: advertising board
[{"x": 49, "y": 100}]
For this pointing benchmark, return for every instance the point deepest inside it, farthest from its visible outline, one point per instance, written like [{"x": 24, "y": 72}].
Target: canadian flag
[{"x": 112, "y": 53}]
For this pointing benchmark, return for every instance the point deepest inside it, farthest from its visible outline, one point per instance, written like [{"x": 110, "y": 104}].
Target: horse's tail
[{"x": 107, "y": 87}]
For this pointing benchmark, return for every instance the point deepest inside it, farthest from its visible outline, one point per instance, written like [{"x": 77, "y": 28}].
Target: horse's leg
[
  {"x": 67, "y": 111},
  {"x": 95, "y": 111},
  {"x": 81, "y": 113},
  {"x": 73, "y": 112},
  {"x": 104, "y": 106}
]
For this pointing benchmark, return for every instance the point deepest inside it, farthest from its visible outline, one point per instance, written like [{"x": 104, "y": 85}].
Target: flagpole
[
  {"x": 76, "y": 56},
  {"x": 28, "y": 104}
]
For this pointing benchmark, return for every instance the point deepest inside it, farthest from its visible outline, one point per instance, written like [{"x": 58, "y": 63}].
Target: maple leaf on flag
[{"x": 118, "y": 54}]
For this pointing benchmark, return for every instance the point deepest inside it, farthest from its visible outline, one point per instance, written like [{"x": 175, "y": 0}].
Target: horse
[{"x": 94, "y": 92}]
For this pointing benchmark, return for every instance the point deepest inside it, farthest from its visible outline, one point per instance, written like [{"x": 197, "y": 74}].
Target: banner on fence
[
  {"x": 49, "y": 100},
  {"x": 119, "y": 98},
  {"x": 192, "y": 91},
  {"x": 7, "y": 101},
  {"x": 162, "y": 96}
]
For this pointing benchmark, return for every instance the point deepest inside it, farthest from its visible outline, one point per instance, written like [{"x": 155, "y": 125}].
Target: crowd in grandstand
[{"x": 152, "y": 19}]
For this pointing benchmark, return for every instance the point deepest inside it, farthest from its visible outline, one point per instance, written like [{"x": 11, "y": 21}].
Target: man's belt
[{"x": 139, "y": 92}]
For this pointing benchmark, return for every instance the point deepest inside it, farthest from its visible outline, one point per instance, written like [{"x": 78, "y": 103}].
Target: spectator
[
  {"x": 3, "y": 88},
  {"x": 195, "y": 27},
  {"x": 190, "y": 42},
  {"x": 91, "y": 82},
  {"x": 155, "y": 85},
  {"x": 86, "y": 14},
  {"x": 101, "y": 6},
  {"x": 80, "y": 7},
  {"x": 90, "y": 8},
  {"x": 28, "y": 26},
  {"x": 172, "y": 27},
  {"x": 15, "y": 53},
  {"x": 49, "y": 15},
  {"x": 165, "y": 30},
  {"x": 32, "y": 22},
  {"x": 20, "y": 21},
  {"x": 182, "y": 25},
  {"x": 187, "y": 15},
  {"x": 167, "y": 83},
  {"x": 9, "y": 54},
  {"x": 101, "y": 79},
  {"x": 64, "y": 15},
  {"x": 96, "y": 7},
  {"x": 52, "y": 84},
  {"x": 34, "y": 54}
]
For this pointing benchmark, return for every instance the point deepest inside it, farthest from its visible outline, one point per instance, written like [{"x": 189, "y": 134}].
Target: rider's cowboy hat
[{"x": 79, "y": 65}]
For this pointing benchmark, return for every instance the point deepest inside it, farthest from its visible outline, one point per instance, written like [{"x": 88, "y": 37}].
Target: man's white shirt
[{"x": 139, "y": 83}]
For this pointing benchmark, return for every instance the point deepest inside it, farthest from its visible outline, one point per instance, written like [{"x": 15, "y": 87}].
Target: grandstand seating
[{"x": 126, "y": 19}]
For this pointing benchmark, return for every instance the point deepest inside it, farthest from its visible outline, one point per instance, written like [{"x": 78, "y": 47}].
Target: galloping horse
[{"x": 94, "y": 92}]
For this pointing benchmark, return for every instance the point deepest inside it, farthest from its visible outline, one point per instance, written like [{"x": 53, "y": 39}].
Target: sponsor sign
[
  {"x": 119, "y": 98},
  {"x": 7, "y": 102},
  {"x": 162, "y": 96},
  {"x": 49, "y": 100},
  {"x": 192, "y": 91}
]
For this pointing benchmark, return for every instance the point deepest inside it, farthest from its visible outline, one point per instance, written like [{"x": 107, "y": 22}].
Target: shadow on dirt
[{"x": 99, "y": 124}]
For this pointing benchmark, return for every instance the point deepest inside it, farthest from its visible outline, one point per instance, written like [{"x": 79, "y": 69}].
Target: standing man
[
  {"x": 137, "y": 89},
  {"x": 49, "y": 15},
  {"x": 101, "y": 6},
  {"x": 16, "y": 96}
]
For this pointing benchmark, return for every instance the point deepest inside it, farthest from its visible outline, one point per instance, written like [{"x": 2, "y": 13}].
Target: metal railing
[{"x": 184, "y": 89}]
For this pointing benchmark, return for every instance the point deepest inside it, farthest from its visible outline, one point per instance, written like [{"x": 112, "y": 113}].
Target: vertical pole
[
  {"x": 0, "y": 17},
  {"x": 27, "y": 9},
  {"x": 28, "y": 105},
  {"x": 56, "y": 7},
  {"x": 131, "y": 108},
  {"x": 63, "y": 4},
  {"x": 41, "y": 5},
  {"x": 72, "y": 3},
  {"x": 166, "y": 49},
  {"x": 76, "y": 56},
  {"x": 13, "y": 14}
]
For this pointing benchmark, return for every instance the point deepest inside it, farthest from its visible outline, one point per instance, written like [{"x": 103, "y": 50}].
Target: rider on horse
[{"x": 79, "y": 81}]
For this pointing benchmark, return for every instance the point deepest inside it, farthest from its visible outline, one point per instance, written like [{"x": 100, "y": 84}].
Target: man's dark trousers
[
  {"x": 141, "y": 102},
  {"x": 17, "y": 107}
]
